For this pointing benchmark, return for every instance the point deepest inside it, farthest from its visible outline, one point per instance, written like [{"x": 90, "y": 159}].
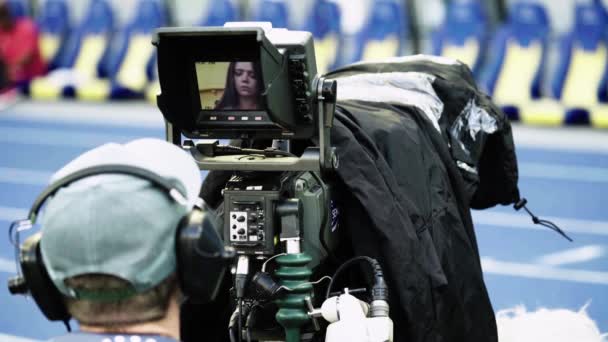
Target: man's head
[{"x": 108, "y": 241}]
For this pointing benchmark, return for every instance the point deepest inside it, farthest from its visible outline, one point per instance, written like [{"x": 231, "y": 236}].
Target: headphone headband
[
  {"x": 197, "y": 246},
  {"x": 174, "y": 192}
]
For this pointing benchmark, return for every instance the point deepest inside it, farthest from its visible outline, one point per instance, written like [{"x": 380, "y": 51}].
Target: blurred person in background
[{"x": 20, "y": 57}]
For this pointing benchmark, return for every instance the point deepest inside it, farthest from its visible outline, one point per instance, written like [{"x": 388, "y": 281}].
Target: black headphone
[{"x": 202, "y": 259}]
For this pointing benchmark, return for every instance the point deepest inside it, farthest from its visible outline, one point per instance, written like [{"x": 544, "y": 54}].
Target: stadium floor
[{"x": 563, "y": 173}]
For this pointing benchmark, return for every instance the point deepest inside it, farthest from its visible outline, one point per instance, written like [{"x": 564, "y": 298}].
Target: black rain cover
[
  {"x": 404, "y": 203},
  {"x": 477, "y": 132}
]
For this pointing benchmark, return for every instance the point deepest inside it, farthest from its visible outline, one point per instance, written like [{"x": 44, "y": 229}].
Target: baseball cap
[{"x": 117, "y": 224}]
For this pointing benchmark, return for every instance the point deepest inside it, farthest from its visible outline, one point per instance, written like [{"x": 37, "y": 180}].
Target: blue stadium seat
[
  {"x": 324, "y": 23},
  {"x": 384, "y": 35},
  {"x": 54, "y": 26},
  {"x": 274, "y": 11},
  {"x": 18, "y": 8},
  {"x": 517, "y": 57},
  {"x": 581, "y": 78},
  {"x": 220, "y": 12},
  {"x": 131, "y": 64},
  {"x": 85, "y": 56},
  {"x": 463, "y": 35}
]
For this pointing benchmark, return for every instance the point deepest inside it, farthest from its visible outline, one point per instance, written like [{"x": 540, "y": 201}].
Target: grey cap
[{"x": 118, "y": 225}]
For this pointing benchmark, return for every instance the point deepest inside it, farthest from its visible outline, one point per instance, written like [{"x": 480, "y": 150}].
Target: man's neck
[{"x": 167, "y": 326}]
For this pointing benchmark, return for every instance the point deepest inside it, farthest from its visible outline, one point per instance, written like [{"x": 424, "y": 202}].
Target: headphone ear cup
[
  {"x": 201, "y": 259},
  {"x": 39, "y": 284}
]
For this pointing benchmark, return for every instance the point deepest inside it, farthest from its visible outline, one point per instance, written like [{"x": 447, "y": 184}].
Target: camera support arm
[
  {"x": 321, "y": 158},
  {"x": 326, "y": 100}
]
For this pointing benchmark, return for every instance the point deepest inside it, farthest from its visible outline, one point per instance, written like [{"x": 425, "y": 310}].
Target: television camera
[{"x": 254, "y": 83}]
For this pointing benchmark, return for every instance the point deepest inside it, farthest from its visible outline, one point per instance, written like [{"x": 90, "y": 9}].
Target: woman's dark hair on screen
[{"x": 230, "y": 98}]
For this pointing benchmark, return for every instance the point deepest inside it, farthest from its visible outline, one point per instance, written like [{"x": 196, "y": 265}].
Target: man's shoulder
[{"x": 90, "y": 337}]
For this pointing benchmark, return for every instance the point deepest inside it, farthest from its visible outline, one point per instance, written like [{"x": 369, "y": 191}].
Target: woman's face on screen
[{"x": 245, "y": 79}]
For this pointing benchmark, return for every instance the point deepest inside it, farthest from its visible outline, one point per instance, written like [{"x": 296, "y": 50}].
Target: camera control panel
[{"x": 249, "y": 219}]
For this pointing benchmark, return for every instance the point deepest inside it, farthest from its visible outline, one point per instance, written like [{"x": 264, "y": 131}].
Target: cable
[
  {"x": 214, "y": 149},
  {"x": 379, "y": 289},
  {"x": 231, "y": 326},
  {"x": 240, "y": 282},
  {"x": 272, "y": 257},
  {"x": 255, "y": 305},
  {"x": 283, "y": 287},
  {"x": 268, "y": 152},
  {"x": 317, "y": 282},
  {"x": 545, "y": 223},
  {"x": 240, "y": 320}
]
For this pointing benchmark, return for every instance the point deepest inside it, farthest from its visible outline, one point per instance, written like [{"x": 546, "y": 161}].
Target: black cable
[
  {"x": 67, "y": 325},
  {"x": 379, "y": 289},
  {"x": 214, "y": 149},
  {"x": 249, "y": 319},
  {"x": 231, "y": 333},
  {"x": 545, "y": 223},
  {"x": 268, "y": 152},
  {"x": 240, "y": 320}
]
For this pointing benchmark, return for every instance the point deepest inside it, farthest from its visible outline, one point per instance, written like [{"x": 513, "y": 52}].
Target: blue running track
[{"x": 523, "y": 264}]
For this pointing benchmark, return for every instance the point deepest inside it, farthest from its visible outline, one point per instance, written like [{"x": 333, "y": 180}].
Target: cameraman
[{"x": 108, "y": 243}]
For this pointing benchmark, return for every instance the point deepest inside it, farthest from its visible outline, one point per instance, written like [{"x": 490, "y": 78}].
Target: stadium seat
[
  {"x": 463, "y": 35},
  {"x": 517, "y": 57},
  {"x": 220, "y": 12},
  {"x": 85, "y": 56},
  {"x": 581, "y": 78},
  {"x": 18, "y": 8},
  {"x": 54, "y": 26},
  {"x": 324, "y": 23},
  {"x": 130, "y": 67},
  {"x": 384, "y": 35},
  {"x": 274, "y": 11}
]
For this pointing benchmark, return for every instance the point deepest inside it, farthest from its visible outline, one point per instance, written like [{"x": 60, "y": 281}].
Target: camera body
[
  {"x": 258, "y": 86},
  {"x": 198, "y": 69},
  {"x": 251, "y": 223}
]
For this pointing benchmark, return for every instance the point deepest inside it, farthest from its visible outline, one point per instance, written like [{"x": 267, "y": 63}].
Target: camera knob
[
  {"x": 17, "y": 285},
  {"x": 241, "y": 218}
]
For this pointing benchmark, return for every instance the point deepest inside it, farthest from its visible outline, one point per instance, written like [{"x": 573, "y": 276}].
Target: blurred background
[
  {"x": 80, "y": 73},
  {"x": 544, "y": 62}
]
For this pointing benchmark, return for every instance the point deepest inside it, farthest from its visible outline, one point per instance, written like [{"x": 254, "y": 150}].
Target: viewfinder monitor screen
[{"x": 231, "y": 86}]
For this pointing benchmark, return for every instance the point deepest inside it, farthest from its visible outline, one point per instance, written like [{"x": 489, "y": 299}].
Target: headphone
[{"x": 198, "y": 247}]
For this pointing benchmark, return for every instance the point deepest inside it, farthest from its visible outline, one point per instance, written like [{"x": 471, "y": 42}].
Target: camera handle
[
  {"x": 326, "y": 101},
  {"x": 293, "y": 272}
]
